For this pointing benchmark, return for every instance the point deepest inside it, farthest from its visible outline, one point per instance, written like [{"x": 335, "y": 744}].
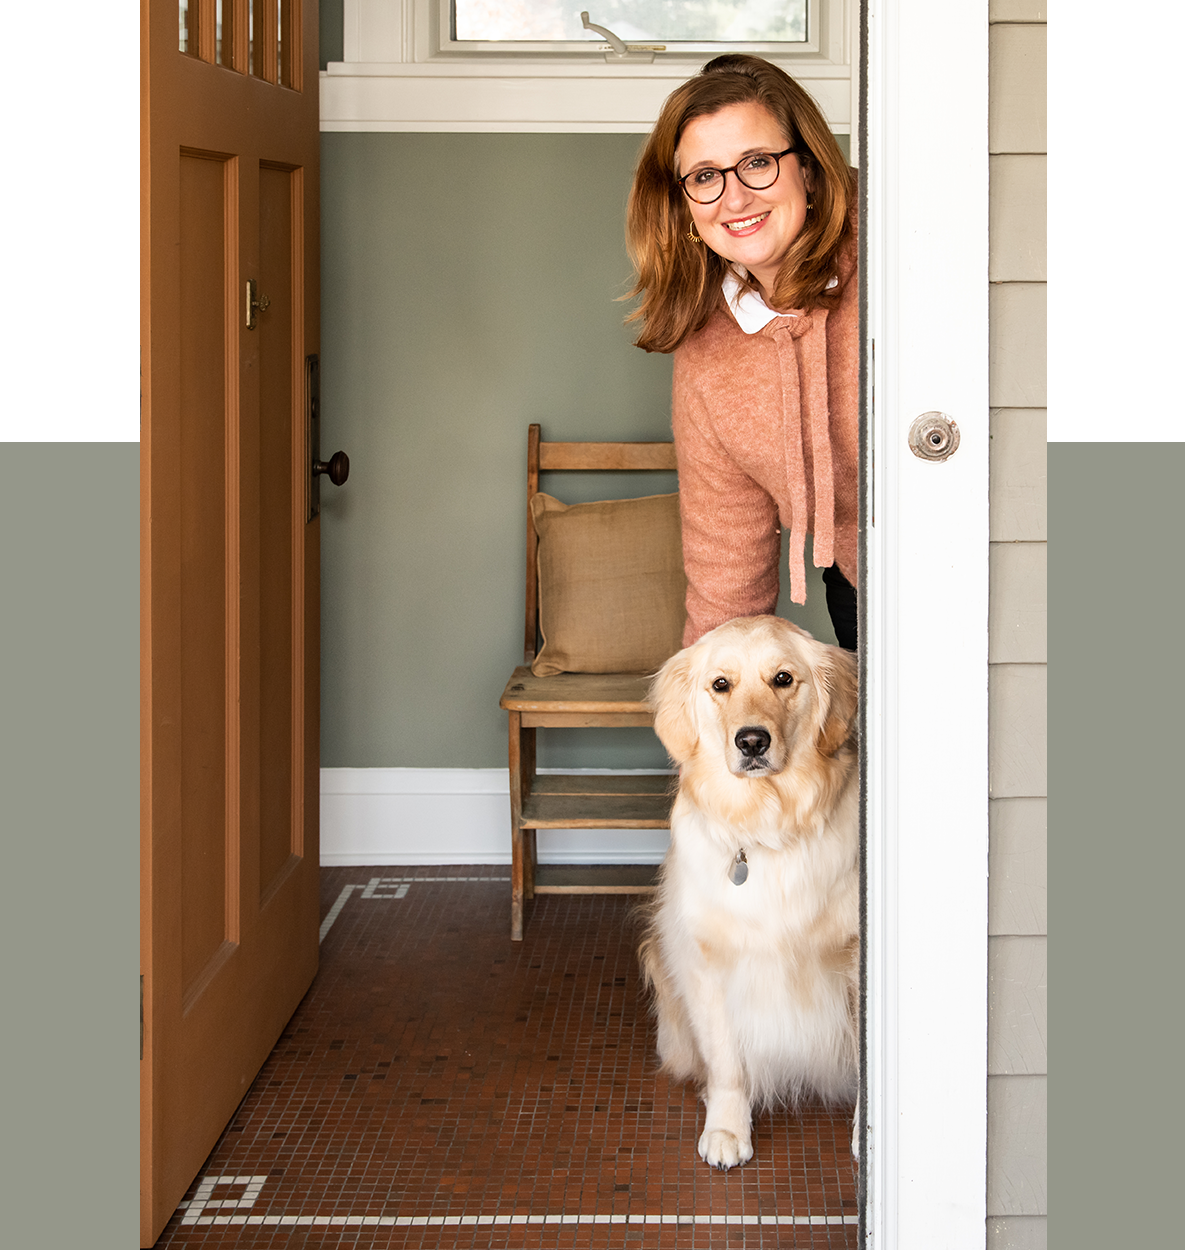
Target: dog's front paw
[{"x": 719, "y": 1148}]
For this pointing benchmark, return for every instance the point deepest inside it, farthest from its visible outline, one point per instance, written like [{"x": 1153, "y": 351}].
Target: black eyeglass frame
[{"x": 735, "y": 169}]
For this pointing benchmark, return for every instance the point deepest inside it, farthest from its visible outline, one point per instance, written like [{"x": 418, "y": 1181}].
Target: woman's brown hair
[{"x": 679, "y": 280}]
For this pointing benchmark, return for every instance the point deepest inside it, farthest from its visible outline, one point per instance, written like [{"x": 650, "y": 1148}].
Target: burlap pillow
[{"x": 611, "y": 584}]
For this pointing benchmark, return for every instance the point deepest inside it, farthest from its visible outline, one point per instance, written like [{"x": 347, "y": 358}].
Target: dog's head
[{"x": 757, "y": 693}]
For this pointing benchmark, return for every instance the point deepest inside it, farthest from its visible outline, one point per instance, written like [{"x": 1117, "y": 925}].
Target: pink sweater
[{"x": 766, "y": 435}]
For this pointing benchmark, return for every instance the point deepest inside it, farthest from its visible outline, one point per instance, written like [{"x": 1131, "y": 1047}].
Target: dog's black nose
[{"x": 752, "y": 741}]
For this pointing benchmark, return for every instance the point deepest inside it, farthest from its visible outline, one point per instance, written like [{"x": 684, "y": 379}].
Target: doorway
[{"x": 469, "y": 523}]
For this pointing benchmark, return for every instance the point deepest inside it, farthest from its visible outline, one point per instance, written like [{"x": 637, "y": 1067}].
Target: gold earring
[{"x": 691, "y": 234}]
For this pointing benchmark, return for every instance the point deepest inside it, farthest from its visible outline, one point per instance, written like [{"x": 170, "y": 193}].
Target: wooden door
[{"x": 229, "y": 616}]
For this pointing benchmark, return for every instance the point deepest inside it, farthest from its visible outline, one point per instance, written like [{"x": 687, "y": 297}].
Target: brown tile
[{"x": 435, "y": 1070}]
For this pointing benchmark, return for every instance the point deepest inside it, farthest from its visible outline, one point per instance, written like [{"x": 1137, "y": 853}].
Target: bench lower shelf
[
  {"x": 586, "y": 801},
  {"x": 595, "y": 878},
  {"x": 566, "y": 801}
]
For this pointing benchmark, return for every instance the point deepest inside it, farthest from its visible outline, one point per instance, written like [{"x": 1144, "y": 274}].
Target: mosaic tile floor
[{"x": 441, "y": 1086}]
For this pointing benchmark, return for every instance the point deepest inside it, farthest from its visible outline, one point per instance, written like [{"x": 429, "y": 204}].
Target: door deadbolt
[
  {"x": 255, "y": 303},
  {"x": 337, "y": 467},
  {"x": 934, "y": 436}
]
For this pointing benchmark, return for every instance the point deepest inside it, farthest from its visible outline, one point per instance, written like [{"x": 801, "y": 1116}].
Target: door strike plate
[{"x": 255, "y": 304}]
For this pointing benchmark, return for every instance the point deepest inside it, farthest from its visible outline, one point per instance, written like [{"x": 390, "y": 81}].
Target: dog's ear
[
  {"x": 836, "y": 676},
  {"x": 672, "y": 696}
]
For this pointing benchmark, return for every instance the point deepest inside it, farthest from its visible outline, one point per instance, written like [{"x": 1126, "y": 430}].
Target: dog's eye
[
  {"x": 783, "y": 678},
  {"x": 721, "y": 684}
]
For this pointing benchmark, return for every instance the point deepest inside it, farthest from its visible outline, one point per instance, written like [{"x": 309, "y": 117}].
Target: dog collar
[{"x": 739, "y": 872}]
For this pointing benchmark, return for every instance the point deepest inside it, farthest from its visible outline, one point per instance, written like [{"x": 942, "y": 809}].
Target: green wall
[
  {"x": 332, "y": 34},
  {"x": 469, "y": 287}
]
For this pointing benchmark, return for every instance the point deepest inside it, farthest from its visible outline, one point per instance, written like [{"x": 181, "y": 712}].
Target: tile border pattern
[
  {"x": 370, "y": 890},
  {"x": 203, "y": 1200}
]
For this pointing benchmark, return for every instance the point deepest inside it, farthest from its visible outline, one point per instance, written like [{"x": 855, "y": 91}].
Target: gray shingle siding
[{"x": 1017, "y": 1140}]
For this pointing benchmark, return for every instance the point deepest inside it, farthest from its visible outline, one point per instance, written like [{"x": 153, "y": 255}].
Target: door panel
[
  {"x": 276, "y": 437},
  {"x": 200, "y": 579},
  {"x": 229, "y": 570}
]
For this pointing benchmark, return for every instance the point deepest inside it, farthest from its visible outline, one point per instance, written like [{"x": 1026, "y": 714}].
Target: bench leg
[
  {"x": 516, "y": 883},
  {"x": 522, "y": 841},
  {"x": 530, "y": 852},
  {"x": 530, "y": 862}
]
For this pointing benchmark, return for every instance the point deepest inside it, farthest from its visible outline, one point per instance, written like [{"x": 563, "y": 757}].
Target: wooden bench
[{"x": 571, "y": 701}]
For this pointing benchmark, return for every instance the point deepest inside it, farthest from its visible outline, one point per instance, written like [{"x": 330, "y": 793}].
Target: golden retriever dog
[{"x": 751, "y": 948}]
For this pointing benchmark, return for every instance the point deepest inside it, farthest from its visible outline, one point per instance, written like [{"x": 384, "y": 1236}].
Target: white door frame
[{"x": 926, "y": 161}]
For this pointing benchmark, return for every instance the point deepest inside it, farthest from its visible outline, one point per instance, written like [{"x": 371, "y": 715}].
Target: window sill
[{"x": 566, "y": 95}]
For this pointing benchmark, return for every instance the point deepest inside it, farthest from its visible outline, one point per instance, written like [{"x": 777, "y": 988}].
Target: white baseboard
[{"x": 452, "y": 816}]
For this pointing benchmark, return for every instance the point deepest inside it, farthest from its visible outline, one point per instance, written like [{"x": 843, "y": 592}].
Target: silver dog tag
[{"x": 738, "y": 874}]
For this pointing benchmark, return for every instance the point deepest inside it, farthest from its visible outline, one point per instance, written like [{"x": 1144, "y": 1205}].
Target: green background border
[
  {"x": 69, "y": 777},
  {"x": 70, "y": 626},
  {"x": 1116, "y": 844}
]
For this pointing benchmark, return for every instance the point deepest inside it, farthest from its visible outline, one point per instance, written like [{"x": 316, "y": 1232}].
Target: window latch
[{"x": 619, "y": 50}]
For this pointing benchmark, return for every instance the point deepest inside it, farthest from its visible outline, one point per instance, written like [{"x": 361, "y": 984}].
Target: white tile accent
[
  {"x": 335, "y": 910},
  {"x": 371, "y": 890},
  {"x": 445, "y": 1221},
  {"x": 403, "y": 884},
  {"x": 203, "y": 1200}
]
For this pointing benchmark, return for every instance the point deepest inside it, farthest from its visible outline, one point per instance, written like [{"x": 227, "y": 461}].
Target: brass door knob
[{"x": 337, "y": 469}]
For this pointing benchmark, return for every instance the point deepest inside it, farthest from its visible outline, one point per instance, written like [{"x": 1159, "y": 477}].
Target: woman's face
[{"x": 753, "y": 228}]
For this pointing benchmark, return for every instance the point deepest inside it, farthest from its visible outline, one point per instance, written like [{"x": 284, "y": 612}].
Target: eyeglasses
[{"x": 706, "y": 186}]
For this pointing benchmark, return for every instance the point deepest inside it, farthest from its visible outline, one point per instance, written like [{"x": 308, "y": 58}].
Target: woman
[{"x": 742, "y": 227}]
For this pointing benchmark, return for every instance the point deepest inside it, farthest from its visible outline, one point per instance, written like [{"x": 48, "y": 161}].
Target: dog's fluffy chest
[{"x": 787, "y": 890}]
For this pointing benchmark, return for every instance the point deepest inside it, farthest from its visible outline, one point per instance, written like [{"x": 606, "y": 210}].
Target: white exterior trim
[
  {"x": 452, "y": 816},
  {"x": 926, "y": 634}
]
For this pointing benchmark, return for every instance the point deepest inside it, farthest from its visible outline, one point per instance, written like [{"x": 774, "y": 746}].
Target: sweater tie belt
[{"x": 801, "y": 343}]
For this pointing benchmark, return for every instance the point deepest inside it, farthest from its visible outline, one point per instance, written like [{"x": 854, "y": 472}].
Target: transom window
[{"x": 680, "y": 22}]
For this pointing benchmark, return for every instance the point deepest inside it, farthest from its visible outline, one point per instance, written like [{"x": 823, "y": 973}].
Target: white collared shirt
[{"x": 752, "y": 313}]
